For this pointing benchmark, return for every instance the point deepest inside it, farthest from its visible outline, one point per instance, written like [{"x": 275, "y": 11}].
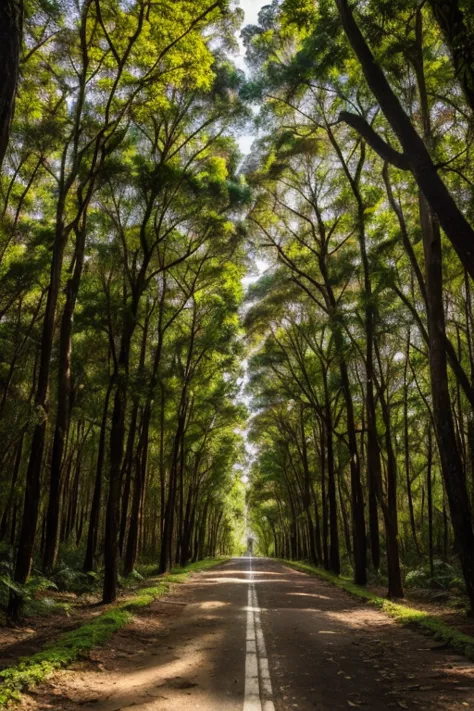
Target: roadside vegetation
[{"x": 70, "y": 646}]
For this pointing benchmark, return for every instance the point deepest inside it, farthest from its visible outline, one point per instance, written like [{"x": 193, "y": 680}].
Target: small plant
[
  {"x": 131, "y": 580},
  {"x": 68, "y": 579},
  {"x": 444, "y": 577},
  {"x": 28, "y": 592}
]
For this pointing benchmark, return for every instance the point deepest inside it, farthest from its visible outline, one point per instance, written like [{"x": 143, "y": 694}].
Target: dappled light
[
  {"x": 236, "y": 355},
  {"x": 306, "y": 594}
]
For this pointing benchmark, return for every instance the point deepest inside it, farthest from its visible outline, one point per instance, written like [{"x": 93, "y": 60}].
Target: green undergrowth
[
  {"x": 75, "y": 644},
  {"x": 460, "y": 642}
]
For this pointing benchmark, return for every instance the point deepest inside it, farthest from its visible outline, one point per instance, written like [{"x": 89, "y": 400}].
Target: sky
[{"x": 251, "y": 9}]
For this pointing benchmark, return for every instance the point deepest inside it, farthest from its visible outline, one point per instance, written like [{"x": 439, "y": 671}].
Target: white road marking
[{"x": 258, "y": 685}]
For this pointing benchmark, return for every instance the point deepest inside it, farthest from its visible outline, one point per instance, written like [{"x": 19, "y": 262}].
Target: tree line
[
  {"x": 120, "y": 285},
  {"x": 362, "y": 370},
  {"x": 128, "y": 224}
]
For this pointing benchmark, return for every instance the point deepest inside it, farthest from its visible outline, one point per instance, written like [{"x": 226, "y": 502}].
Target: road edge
[{"x": 402, "y": 614}]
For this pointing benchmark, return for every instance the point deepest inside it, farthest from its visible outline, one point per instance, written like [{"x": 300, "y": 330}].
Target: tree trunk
[
  {"x": 117, "y": 438},
  {"x": 64, "y": 405},
  {"x": 429, "y": 488},
  {"x": 33, "y": 474},
  {"x": 11, "y": 29},
  {"x": 334, "y": 557},
  {"x": 307, "y": 494},
  {"x": 11, "y": 494},
  {"x": 451, "y": 465},
  {"x": 389, "y": 507},
  {"x": 97, "y": 496},
  {"x": 140, "y": 474},
  {"x": 168, "y": 531}
]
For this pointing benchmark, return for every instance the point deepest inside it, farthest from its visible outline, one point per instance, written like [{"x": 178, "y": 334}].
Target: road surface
[{"x": 254, "y": 635}]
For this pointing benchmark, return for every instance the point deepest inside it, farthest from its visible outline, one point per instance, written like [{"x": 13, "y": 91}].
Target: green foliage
[
  {"x": 444, "y": 577},
  {"x": 37, "y": 668},
  {"x": 72, "y": 645}
]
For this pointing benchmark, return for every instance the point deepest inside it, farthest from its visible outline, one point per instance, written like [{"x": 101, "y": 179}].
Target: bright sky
[{"x": 251, "y": 9}]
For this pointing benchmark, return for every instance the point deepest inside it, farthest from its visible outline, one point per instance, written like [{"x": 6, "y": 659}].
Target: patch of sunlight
[
  {"x": 213, "y": 604},
  {"x": 357, "y": 618},
  {"x": 320, "y": 597},
  {"x": 242, "y": 581},
  {"x": 228, "y": 571}
]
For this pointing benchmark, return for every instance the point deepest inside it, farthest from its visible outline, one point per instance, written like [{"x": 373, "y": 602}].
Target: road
[{"x": 254, "y": 635}]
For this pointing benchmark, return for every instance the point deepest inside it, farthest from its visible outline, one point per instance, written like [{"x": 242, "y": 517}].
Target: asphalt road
[{"x": 254, "y": 635}]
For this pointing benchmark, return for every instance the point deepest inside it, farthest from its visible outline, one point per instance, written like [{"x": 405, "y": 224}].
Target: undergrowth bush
[{"x": 444, "y": 577}]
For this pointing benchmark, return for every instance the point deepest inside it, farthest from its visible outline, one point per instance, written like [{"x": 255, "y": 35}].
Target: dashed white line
[{"x": 258, "y": 684}]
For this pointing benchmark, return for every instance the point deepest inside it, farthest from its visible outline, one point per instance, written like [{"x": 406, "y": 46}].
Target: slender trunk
[
  {"x": 97, "y": 496},
  {"x": 168, "y": 531},
  {"x": 64, "y": 406},
  {"x": 325, "y": 528},
  {"x": 11, "y": 29},
  {"x": 127, "y": 472},
  {"x": 359, "y": 541},
  {"x": 307, "y": 493},
  {"x": 429, "y": 489},
  {"x": 33, "y": 474},
  {"x": 451, "y": 463},
  {"x": 334, "y": 557},
  {"x": 11, "y": 493},
  {"x": 117, "y": 438},
  {"x": 187, "y": 527},
  {"x": 140, "y": 474},
  {"x": 345, "y": 520},
  {"x": 390, "y": 508},
  {"x": 406, "y": 441}
]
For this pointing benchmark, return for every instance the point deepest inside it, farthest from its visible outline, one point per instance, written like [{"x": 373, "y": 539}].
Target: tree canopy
[{"x": 130, "y": 221}]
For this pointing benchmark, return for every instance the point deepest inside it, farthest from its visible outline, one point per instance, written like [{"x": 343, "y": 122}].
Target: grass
[
  {"x": 462, "y": 643},
  {"x": 69, "y": 647}
]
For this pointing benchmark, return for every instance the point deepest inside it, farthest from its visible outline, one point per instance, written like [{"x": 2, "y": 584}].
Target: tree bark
[
  {"x": 93, "y": 531},
  {"x": 451, "y": 464},
  {"x": 11, "y": 30}
]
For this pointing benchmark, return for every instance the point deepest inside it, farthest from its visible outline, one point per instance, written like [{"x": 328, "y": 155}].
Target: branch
[{"x": 386, "y": 152}]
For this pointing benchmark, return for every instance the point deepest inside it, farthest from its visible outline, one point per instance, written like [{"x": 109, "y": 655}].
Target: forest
[{"x": 196, "y": 343}]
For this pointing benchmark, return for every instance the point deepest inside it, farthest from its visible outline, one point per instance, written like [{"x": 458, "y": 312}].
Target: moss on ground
[
  {"x": 30, "y": 671},
  {"x": 403, "y": 614}
]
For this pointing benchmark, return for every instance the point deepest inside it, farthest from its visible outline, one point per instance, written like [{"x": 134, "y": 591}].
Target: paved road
[{"x": 253, "y": 635}]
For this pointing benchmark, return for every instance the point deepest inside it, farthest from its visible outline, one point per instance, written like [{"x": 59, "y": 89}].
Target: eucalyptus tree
[{"x": 123, "y": 166}]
